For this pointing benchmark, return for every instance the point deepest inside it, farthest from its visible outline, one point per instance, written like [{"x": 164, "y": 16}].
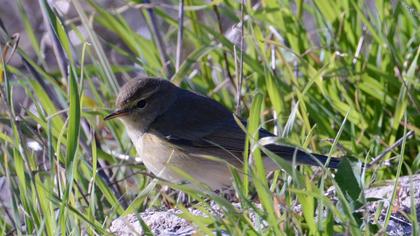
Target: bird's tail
[{"x": 301, "y": 157}]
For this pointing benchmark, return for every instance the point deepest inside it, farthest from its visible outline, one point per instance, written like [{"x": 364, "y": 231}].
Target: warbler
[{"x": 175, "y": 129}]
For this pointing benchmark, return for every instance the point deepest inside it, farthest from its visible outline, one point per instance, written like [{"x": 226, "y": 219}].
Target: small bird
[{"x": 172, "y": 128}]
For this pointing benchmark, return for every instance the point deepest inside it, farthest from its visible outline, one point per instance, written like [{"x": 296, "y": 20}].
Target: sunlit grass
[{"x": 336, "y": 78}]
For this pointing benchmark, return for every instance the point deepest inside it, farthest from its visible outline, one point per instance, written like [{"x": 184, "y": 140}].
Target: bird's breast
[{"x": 157, "y": 154}]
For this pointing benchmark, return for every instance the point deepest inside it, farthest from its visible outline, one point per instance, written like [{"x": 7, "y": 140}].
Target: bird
[{"x": 176, "y": 129}]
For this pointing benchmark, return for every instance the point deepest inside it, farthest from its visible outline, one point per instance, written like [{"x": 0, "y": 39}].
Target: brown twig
[
  {"x": 180, "y": 34},
  {"x": 160, "y": 43},
  {"x": 225, "y": 58},
  {"x": 378, "y": 158},
  {"x": 241, "y": 61}
]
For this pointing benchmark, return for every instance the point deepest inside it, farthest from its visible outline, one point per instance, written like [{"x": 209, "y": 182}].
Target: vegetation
[{"x": 337, "y": 78}]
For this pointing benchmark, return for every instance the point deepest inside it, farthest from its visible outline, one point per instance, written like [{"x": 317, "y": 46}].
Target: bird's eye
[{"x": 141, "y": 103}]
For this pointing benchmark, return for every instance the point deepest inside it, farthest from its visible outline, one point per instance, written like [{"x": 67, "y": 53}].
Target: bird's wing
[{"x": 199, "y": 121}]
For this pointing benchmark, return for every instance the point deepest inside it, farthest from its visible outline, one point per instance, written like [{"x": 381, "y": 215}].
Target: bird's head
[{"x": 140, "y": 101}]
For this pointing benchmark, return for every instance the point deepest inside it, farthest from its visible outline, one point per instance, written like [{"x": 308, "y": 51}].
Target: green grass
[{"x": 347, "y": 86}]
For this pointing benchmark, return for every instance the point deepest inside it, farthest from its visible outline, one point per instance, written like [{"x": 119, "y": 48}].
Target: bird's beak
[{"x": 117, "y": 113}]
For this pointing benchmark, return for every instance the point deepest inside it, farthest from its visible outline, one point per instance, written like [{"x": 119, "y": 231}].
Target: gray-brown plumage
[{"x": 173, "y": 128}]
